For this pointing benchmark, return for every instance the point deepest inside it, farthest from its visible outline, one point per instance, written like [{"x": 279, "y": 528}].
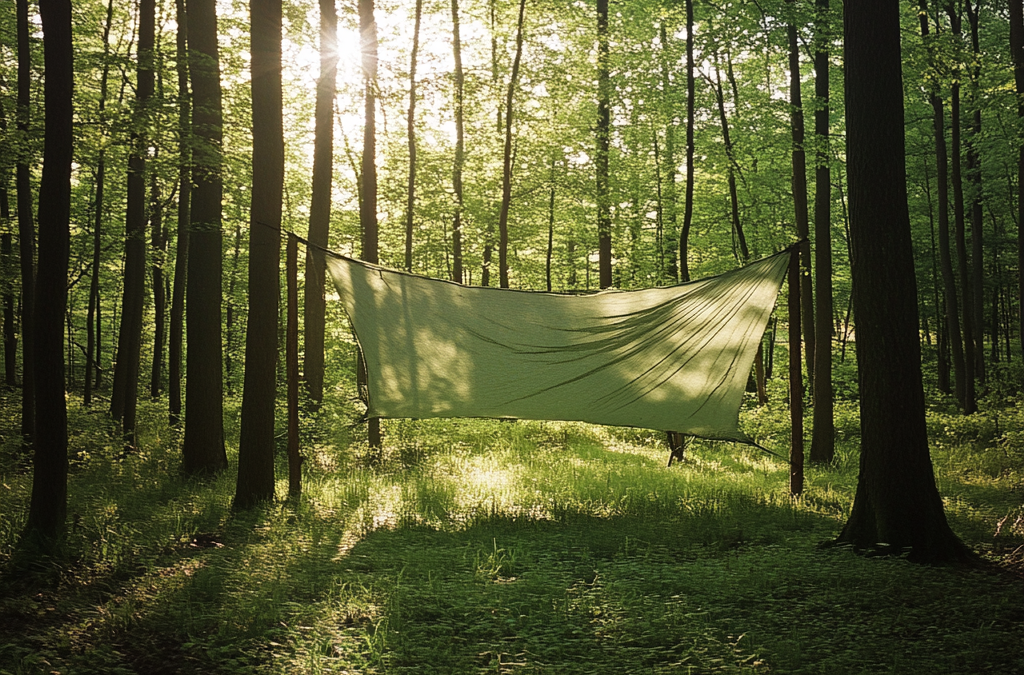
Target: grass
[{"x": 497, "y": 547}]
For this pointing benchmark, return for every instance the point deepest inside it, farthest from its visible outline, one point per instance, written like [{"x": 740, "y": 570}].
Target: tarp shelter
[{"x": 672, "y": 358}]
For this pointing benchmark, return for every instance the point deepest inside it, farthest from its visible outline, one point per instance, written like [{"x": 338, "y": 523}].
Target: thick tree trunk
[
  {"x": 124, "y": 396},
  {"x": 259, "y": 390},
  {"x": 410, "y": 192},
  {"x": 26, "y": 234},
  {"x": 48, "y": 505},
  {"x": 320, "y": 205},
  {"x": 460, "y": 144},
  {"x": 203, "y": 445},
  {"x": 603, "y": 132},
  {"x": 1017, "y": 54},
  {"x": 177, "y": 319},
  {"x": 800, "y": 197},
  {"x": 897, "y": 507},
  {"x": 823, "y": 436},
  {"x": 368, "y": 174},
  {"x": 684, "y": 233}
]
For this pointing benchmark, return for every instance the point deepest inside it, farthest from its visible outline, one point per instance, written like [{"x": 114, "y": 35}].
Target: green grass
[{"x": 498, "y": 547}]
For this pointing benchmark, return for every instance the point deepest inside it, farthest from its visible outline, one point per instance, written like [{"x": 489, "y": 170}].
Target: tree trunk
[
  {"x": 669, "y": 220},
  {"x": 823, "y": 435},
  {"x": 410, "y": 200},
  {"x": 26, "y": 234},
  {"x": 460, "y": 144},
  {"x": 977, "y": 218},
  {"x": 159, "y": 242},
  {"x": 203, "y": 445},
  {"x": 124, "y": 396},
  {"x": 177, "y": 319},
  {"x": 551, "y": 227},
  {"x": 6, "y": 262},
  {"x": 796, "y": 382},
  {"x": 292, "y": 365},
  {"x": 734, "y": 201},
  {"x": 684, "y": 233},
  {"x": 259, "y": 390},
  {"x": 1017, "y": 54},
  {"x": 800, "y": 197},
  {"x": 506, "y": 173},
  {"x": 897, "y": 507},
  {"x": 229, "y": 312},
  {"x": 368, "y": 174},
  {"x": 48, "y": 505},
  {"x": 320, "y": 205},
  {"x": 603, "y": 132}
]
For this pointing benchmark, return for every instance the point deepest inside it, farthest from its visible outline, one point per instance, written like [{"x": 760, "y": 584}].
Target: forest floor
[{"x": 510, "y": 547}]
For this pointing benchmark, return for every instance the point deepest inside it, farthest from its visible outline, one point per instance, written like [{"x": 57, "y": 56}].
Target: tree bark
[
  {"x": 974, "y": 176},
  {"x": 823, "y": 435},
  {"x": 684, "y": 233},
  {"x": 26, "y": 233},
  {"x": 897, "y": 507},
  {"x": 603, "y": 132},
  {"x": 410, "y": 199},
  {"x": 953, "y": 335},
  {"x": 734, "y": 201},
  {"x": 7, "y": 256},
  {"x": 159, "y": 243},
  {"x": 669, "y": 219},
  {"x": 320, "y": 205},
  {"x": 292, "y": 365},
  {"x": 124, "y": 395},
  {"x": 91, "y": 361},
  {"x": 506, "y": 173},
  {"x": 796, "y": 382},
  {"x": 460, "y": 144},
  {"x": 203, "y": 445},
  {"x": 1017, "y": 54},
  {"x": 48, "y": 504},
  {"x": 177, "y": 318},
  {"x": 800, "y": 196},
  {"x": 368, "y": 174},
  {"x": 259, "y": 390}
]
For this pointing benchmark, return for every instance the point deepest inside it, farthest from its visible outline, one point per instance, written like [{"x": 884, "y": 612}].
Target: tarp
[{"x": 672, "y": 358}]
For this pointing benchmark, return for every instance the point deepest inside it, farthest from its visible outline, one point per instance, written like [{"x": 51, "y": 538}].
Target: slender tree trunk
[
  {"x": 259, "y": 390},
  {"x": 823, "y": 436},
  {"x": 292, "y": 365},
  {"x": 320, "y": 205},
  {"x": 734, "y": 201},
  {"x": 91, "y": 358},
  {"x": 684, "y": 234},
  {"x": 1017, "y": 54},
  {"x": 953, "y": 335},
  {"x": 460, "y": 144},
  {"x": 26, "y": 234},
  {"x": 124, "y": 395},
  {"x": 800, "y": 197},
  {"x": 940, "y": 341},
  {"x": 897, "y": 506},
  {"x": 48, "y": 505},
  {"x": 796, "y": 402},
  {"x": 6, "y": 262},
  {"x": 410, "y": 200},
  {"x": 177, "y": 319},
  {"x": 506, "y": 174},
  {"x": 551, "y": 227},
  {"x": 368, "y": 174},
  {"x": 485, "y": 272},
  {"x": 603, "y": 132},
  {"x": 159, "y": 242},
  {"x": 977, "y": 217},
  {"x": 959, "y": 232},
  {"x": 669, "y": 220},
  {"x": 229, "y": 312},
  {"x": 203, "y": 445}
]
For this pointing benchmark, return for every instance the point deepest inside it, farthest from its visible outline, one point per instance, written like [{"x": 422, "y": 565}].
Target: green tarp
[{"x": 673, "y": 358}]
